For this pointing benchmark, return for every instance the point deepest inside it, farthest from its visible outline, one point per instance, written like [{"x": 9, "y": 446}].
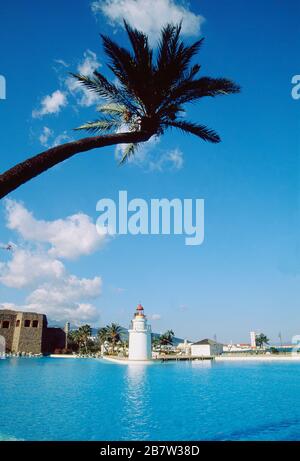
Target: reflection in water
[
  {"x": 201, "y": 363},
  {"x": 136, "y": 401}
]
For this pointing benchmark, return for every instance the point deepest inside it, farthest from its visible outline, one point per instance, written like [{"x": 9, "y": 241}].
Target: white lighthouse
[{"x": 139, "y": 337}]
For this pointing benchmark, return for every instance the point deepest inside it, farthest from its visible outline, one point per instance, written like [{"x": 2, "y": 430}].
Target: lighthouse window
[
  {"x": 35, "y": 323},
  {"x": 5, "y": 324},
  {"x": 17, "y": 323},
  {"x": 27, "y": 323}
]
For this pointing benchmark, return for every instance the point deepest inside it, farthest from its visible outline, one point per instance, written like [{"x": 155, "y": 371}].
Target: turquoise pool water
[{"x": 88, "y": 399}]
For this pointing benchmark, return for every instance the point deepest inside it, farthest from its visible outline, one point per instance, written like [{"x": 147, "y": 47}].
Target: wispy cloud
[
  {"x": 150, "y": 15},
  {"x": 86, "y": 66},
  {"x": 168, "y": 160},
  {"x": 61, "y": 62},
  {"x": 155, "y": 317},
  {"x": 55, "y": 102},
  {"x": 150, "y": 157},
  {"x": 51, "y": 104},
  {"x": 47, "y": 137}
]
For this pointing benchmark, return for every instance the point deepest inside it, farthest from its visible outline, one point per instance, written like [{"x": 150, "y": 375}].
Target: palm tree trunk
[{"x": 32, "y": 167}]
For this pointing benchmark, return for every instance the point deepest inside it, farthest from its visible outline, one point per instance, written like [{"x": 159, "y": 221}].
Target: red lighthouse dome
[{"x": 139, "y": 311}]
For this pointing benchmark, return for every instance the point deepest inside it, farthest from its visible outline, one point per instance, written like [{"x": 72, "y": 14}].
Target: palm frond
[
  {"x": 142, "y": 52},
  {"x": 172, "y": 53},
  {"x": 119, "y": 95},
  {"x": 188, "y": 91},
  {"x": 122, "y": 63},
  {"x": 106, "y": 90},
  {"x": 112, "y": 109},
  {"x": 101, "y": 125},
  {"x": 151, "y": 95},
  {"x": 129, "y": 151},
  {"x": 198, "y": 130}
]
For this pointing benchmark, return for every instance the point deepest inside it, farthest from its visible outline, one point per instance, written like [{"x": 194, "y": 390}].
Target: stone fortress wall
[{"x": 28, "y": 332}]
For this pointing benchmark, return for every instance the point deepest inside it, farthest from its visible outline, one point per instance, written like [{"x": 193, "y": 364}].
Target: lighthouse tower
[{"x": 139, "y": 336}]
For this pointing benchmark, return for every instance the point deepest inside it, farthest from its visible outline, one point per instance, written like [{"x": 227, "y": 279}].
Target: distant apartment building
[{"x": 28, "y": 332}]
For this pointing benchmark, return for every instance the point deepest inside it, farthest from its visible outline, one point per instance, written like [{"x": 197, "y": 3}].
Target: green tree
[
  {"x": 80, "y": 338},
  {"x": 114, "y": 335},
  {"x": 149, "y": 98},
  {"x": 102, "y": 336},
  {"x": 261, "y": 339},
  {"x": 166, "y": 339},
  {"x": 85, "y": 332},
  {"x": 73, "y": 341},
  {"x": 155, "y": 341}
]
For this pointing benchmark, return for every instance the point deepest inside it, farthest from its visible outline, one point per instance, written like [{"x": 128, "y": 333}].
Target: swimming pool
[{"x": 90, "y": 399}]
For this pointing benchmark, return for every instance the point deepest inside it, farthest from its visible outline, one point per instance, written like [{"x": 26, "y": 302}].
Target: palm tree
[
  {"x": 261, "y": 339},
  {"x": 73, "y": 340},
  {"x": 102, "y": 336},
  {"x": 148, "y": 99},
  {"x": 83, "y": 334},
  {"x": 114, "y": 335},
  {"x": 166, "y": 339}
]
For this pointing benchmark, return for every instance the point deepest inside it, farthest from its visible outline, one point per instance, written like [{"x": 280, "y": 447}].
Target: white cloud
[
  {"x": 51, "y": 104},
  {"x": 169, "y": 160},
  {"x": 45, "y": 135},
  {"x": 35, "y": 265},
  {"x": 70, "y": 289},
  {"x": 150, "y": 15},
  {"x": 119, "y": 290},
  {"x": 155, "y": 317},
  {"x": 68, "y": 238},
  {"x": 61, "y": 296},
  {"x": 86, "y": 67},
  {"x": 48, "y": 139},
  {"x": 26, "y": 268},
  {"x": 77, "y": 313},
  {"x": 149, "y": 157},
  {"x": 89, "y": 63},
  {"x": 61, "y": 62},
  {"x": 59, "y": 139}
]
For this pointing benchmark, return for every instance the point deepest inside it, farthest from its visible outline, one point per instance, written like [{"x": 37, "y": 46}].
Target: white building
[
  {"x": 239, "y": 347},
  {"x": 206, "y": 347},
  {"x": 253, "y": 339},
  {"x": 139, "y": 337},
  {"x": 184, "y": 348}
]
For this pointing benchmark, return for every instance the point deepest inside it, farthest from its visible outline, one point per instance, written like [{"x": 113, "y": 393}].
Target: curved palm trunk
[{"x": 32, "y": 167}]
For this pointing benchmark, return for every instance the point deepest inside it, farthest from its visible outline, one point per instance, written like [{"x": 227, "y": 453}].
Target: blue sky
[{"x": 246, "y": 273}]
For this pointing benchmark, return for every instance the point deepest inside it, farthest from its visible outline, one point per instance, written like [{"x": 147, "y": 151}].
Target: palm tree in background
[
  {"x": 166, "y": 339},
  {"x": 102, "y": 336},
  {"x": 83, "y": 335},
  {"x": 148, "y": 98},
  {"x": 261, "y": 339},
  {"x": 113, "y": 335}
]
